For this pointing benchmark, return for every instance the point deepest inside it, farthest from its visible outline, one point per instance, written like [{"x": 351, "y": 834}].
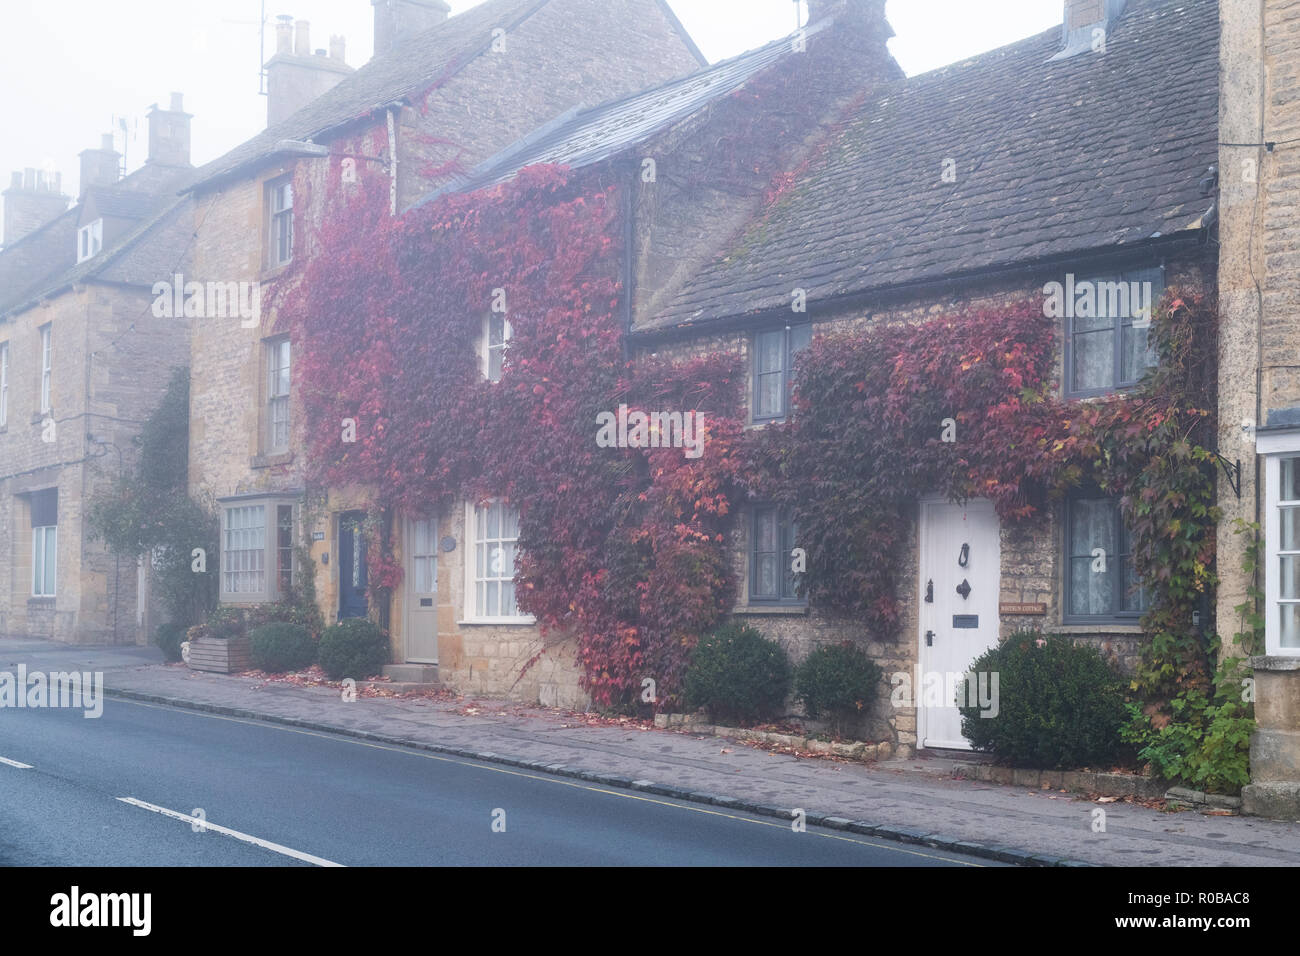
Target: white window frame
[
  {"x": 47, "y": 367},
  {"x": 44, "y": 538},
  {"x": 279, "y": 220},
  {"x": 486, "y": 348},
  {"x": 90, "y": 240},
  {"x": 274, "y": 399},
  {"x": 4, "y": 384},
  {"x": 1275, "y": 447},
  {"x": 270, "y": 591},
  {"x": 471, "y": 578}
]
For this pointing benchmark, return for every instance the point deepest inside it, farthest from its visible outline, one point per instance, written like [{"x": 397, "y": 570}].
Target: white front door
[
  {"x": 421, "y": 588},
  {"x": 961, "y": 566}
]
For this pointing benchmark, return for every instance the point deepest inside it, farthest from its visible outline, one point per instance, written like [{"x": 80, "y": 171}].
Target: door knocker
[{"x": 963, "y": 559}]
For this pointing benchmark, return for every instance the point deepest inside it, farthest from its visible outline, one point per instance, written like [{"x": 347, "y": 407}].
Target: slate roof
[
  {"x": 408, "y": 69},
  {"x": 585, "y": 136},
  {"x": 145, "y": 252},
  {"x": 1100, "y": 150}
]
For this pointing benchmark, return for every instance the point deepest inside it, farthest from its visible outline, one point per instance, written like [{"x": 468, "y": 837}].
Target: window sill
[
  {"x": 499, "y": 622},
  {"x": 271, "y": 461},
  {"x": 1101, "y": 627},
  {"x": 42, "y": 601},
  {"x": 790, "y": 610},
  {"x": 274, "y": 272}
]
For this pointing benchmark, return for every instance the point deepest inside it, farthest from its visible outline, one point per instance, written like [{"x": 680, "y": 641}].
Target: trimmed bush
[
  {"x": 838, "y": 681},
  {"x": 169, "y": 637},
  {"x": 353, "y": 648},
  {"x": 1058, "y": 705},
  {"x": 277, "y": 648},
  {"x": 736, "y": 674}
]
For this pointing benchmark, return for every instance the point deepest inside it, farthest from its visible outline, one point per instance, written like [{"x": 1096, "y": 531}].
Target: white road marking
[
  {"x": 14, "y": 763},
  {"x": 226, "y": 831}
]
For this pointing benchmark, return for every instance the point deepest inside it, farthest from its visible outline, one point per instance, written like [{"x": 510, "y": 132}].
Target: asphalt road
[{"x": 284, "y": 796}]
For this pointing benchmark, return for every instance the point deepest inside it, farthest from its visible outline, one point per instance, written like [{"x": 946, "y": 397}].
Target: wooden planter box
[{"x": 221, "y": 656}]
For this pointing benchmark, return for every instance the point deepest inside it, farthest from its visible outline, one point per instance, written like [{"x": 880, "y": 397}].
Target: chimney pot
[
  {"x": 169, "y": 134},
  {"x": 302, "y": 38},
  {"x": 16, "y": 179},
  {"x": 284, "y": 34},
  {"x": 32, "y": 199},
  {"x": 106, "y": 143},
  {"x": 338, "y": 47},
  {"x": 99, "y": 167},
  {"x": 177, "y": 102}
]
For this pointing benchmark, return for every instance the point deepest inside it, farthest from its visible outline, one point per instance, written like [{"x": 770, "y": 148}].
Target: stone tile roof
[
  {"x": 408, "y": 69},
  {"x": 585, "y": 136},
  {"x": 1095, "y": 151}
]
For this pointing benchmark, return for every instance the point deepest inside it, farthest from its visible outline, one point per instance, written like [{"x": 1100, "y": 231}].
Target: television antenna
[{"x": 261, "y": 46}]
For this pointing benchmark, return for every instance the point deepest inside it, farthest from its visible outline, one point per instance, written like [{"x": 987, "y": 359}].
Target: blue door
[{"x": 352, "y": 565}]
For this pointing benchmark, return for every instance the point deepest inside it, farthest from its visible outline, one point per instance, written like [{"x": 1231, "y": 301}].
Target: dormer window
[{"x": 90, "y": 239}]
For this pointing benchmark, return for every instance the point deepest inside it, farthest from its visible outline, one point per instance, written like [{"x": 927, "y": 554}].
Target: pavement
[{"x": 916, "y": 801}]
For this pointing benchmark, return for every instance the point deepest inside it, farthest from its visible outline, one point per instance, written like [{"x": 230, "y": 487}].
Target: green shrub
[
  {"x": 225, "y": 623},
  {"x": 737, "y": 674},
  {"x": 1206, "y": 743},
  {"x": 169, "y": 637},
  {"x": 838, "y": 681},
  {"x": 1058, "y": 704},
  {"x": 353, "y": 648},
  {"x": 280, "y": 647}
]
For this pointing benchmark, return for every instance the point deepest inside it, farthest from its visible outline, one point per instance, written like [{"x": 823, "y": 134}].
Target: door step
[{"x": 407, "y": 678}]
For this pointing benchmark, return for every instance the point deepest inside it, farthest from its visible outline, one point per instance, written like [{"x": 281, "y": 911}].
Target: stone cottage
[
  {"x": 1078, "y": 157},
  {"x": 440, "y": 96},
  {"x": 83, "y": 362}
]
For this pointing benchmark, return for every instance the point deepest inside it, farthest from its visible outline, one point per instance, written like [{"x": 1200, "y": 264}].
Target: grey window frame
[
  {"x": 784, "y": 522},
  {"x": 786, "y": 371},
  {"x": 1116, "y": 562},
  {"x": 1153, "y": 274}
]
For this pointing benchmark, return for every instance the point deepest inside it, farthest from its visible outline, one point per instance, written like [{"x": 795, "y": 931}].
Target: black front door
[{"x": 352, "y": 565}]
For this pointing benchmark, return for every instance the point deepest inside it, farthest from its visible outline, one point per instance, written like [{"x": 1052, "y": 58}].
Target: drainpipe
[{"x": 392, "y": 159}]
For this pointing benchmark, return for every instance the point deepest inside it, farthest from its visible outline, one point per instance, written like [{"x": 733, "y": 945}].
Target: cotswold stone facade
[
  {"x": 1259, "y": 404},
  {"x": 461, "y": 91},
  {"x": 83, "y": 362}
]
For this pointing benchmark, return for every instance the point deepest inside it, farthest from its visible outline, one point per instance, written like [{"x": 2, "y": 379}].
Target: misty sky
[{"x": 73, "y": 68}]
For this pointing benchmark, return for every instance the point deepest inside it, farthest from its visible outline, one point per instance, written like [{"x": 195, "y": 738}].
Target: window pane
[
  {"x": 765, "y": 531},
  {"x": 800, "y": 337},
  {"x": 769, "y": 347},
  {"x": 1139, "y": 353},
  {"x": 1290, "y": 581},
  {"x": 770, "y": 399},
  {"x": 1290, "y": 474},
  {"x": 1092, "y": 525},
  {"x": 767, "y": 576},
  {"x": 1290, "y": 630},
  {"x": 1290, "y": 529},
  {"x": 1094, "y": 360}
]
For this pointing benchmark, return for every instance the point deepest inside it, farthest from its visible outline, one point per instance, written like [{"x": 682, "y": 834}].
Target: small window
[
  {"x": 1109, "y": 348},
  {"x": 772, "y": 543},
  {"x": 45, "y": 541},
  {"x": 1100, "y": 581},
  {"x": 495, "y": 531},
  {"x": 277, "y": 395},
  {"x": 1282, "y": 536},
  {"x": 243, "y": 552},
  {"x": 258, "y": 556},
  {"x": 4, "y": 384},
  {"x": 773, "y": 367},
  {"x": 280, "y": 215},
  {"x": 47, "y": 365},
  {"x": 496, "y": 339},
  {"x": 90, "y": 239}
]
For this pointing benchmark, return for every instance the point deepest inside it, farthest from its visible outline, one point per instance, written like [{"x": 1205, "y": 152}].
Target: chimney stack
[
  {"x": 295, "y": 75},
  {"x": 1083, "y": 20},
  {"x": 32, "y": 200},
  {"x": 396, "y": 20},
  {"x": 169, "y": 134},
  {"x": 100, "y": 167}
]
